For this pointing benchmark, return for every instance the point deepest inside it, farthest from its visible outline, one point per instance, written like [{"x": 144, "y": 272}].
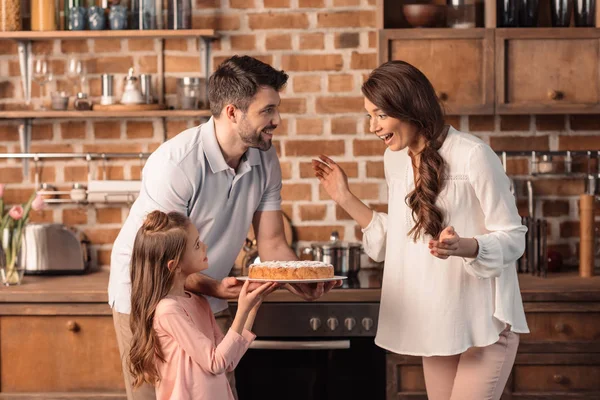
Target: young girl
[
  {"x": 176, "y": 343},
  {"x": 450, "y": 240}
]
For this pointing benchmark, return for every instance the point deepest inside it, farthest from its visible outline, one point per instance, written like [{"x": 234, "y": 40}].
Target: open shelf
[
  {"x": 104, "y": 114},
  {"x": 117, "y": 34}
]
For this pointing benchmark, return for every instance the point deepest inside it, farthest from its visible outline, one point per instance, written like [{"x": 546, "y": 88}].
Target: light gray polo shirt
[{"x": 188, "y": 174}]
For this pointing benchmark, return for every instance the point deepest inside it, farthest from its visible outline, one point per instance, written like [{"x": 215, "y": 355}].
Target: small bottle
[{"x": 82, "y": 103}]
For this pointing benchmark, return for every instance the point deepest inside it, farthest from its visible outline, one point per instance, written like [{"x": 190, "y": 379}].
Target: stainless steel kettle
[{"x": 344, "y": 256}]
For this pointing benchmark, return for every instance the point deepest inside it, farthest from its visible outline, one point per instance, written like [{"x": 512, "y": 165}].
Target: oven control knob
[
  {"x": 367, "y": 323},
  {"x": 315, "y": 323},
  {"x": 332, "y": 323},
  {"x": 349, "y": 323}
]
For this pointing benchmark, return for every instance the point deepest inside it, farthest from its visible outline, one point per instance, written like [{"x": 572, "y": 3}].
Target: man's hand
[
  {"x": 230, "y": 287},
  {"x": 311, "y": 291}
]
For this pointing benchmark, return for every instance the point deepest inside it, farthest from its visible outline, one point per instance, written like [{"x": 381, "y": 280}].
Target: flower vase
[{"x": 11, "y": 268}]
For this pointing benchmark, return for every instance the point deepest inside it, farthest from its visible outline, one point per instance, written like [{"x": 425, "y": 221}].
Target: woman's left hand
[
  {"x": 450, "y": 244},
  {"x": 447, "y": 245}
]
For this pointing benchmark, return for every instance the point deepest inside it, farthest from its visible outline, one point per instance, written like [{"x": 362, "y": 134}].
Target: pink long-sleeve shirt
[{"x": 196, "y": 352}]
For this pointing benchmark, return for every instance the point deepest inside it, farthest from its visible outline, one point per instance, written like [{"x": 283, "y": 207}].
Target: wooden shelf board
[
  {"x": 103, "y": 114},
  {"x": 123, "y": 34}
]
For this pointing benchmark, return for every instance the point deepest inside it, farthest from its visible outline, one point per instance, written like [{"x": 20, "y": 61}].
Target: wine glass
[
  {"x": 42, "y": 74},
  {"x": 76, "y": 73}
]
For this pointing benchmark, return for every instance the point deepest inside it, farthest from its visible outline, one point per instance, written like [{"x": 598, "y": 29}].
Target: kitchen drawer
[
  {"x": 562, "y": 327},
  {"x": 554, "y": 378},
  {"x": 545, "y": 71},
  {"x": 59, "y": 354},
  {"x": 459, "y": 64}
]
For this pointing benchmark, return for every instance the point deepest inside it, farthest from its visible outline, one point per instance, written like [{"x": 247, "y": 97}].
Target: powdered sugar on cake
[{"x": 292, "y": 264}]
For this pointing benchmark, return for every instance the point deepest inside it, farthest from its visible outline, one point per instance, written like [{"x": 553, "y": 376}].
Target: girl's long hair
[
  {"x": 161, "y": 238},
  {"x": 403, "y": 92}
]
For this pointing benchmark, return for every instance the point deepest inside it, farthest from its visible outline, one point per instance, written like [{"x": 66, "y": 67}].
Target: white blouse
[{"x": 435, "y": 307}]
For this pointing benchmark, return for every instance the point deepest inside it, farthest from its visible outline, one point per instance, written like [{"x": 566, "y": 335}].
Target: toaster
[{"x": 54, "y": 249}]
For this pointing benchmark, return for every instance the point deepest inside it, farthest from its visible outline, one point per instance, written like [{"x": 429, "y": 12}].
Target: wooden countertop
[{"x": 92, "y": 288}]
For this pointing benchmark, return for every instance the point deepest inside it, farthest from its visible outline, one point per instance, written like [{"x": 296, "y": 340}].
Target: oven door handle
[{"x": 300, "y": 345}]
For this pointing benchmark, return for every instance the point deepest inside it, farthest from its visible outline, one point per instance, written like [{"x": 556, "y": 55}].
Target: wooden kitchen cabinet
[
  {"x": 57, "y": 340},
  {"x": 547, "y": 71},
  {"x": 63, "y": 353},
  {"x": 558, "y": 359},
  {"x": 459, "y": 63}
]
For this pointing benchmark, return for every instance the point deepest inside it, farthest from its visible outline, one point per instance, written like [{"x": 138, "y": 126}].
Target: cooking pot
[{"x": 344, "y": 256}]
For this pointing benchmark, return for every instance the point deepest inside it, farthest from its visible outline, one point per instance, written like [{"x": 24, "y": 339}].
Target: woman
[{"x": 450, "y": 240}]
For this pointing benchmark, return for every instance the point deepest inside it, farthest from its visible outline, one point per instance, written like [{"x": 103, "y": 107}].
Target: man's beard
[{"x": 250, "y": 138}]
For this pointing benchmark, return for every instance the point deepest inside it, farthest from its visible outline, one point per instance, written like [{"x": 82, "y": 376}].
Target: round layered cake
[{"x": 296, "y": 270}]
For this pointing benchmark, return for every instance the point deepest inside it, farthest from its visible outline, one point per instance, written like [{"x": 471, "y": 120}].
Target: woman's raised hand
[{"x": 332, "y": 177}]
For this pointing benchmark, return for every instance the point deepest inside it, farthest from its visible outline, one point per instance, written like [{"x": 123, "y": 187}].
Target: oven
[{"x": 313, "y": 351}]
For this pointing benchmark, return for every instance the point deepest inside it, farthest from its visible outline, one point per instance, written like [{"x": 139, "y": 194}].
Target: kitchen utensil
[
  {"x": 424, "y": 15},
  {"x": 113, "y": 191},
  {"x": 191, "y": 92},
  {"x": 117, "y": 18},
  {"x": 143, "y": 14},
  {"x": 54, "y": 249},
  {"x": 146, "y": 88},
  {"x": 59, "y": 100},
  {"x": 560, "y": 13},
  {"x": 107, "y": 90},
  {"x": 82, "y": 103},
  {"x": 77, "y": 18},
  {"x": 46, "y": 191},
  {"x": 78, "y": 192},
  {"x": 344, "y": 256},
  {"x": 43, "y": 15},
  {"x": 460, "y": 13},
  {"x": 96, "y": 18},
  {"x": 507, "y": 13},
  {"x": 179, "y": 14},
  {"x": 585, "y": 13},
  {"x": 42, "y": 74},
  {"x": 10, "y": 15},
  {"x": 528, "y": 13},
  {"x": 586, "y": 235},
  {"x": 131, "y": 93}
]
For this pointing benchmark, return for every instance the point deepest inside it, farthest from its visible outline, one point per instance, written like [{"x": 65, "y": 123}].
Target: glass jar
[
  {"x": 179, "y": 14},
  {"x": 10, "y": 15},
  {"x": 461, "y": 13},
  {"x": 143, "y": 14},
  {"x": 191, "y": 93},
  {"x": 43, "y": 15}
]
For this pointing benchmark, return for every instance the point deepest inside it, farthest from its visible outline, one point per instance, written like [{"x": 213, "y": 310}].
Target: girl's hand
[
  {"x": 249, "y": 300},
  {"x": 447, "y": 245},
  {"x": 332, "y": 177}
]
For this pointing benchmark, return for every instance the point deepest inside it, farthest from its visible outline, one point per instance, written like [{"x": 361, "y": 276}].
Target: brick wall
[{"x": 327, "y": 47}]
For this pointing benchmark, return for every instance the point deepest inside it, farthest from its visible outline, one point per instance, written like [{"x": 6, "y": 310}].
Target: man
[{"x": 224, "y": 175}]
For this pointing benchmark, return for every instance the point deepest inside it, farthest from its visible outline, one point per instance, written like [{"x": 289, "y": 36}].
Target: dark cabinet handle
[
  {"x": 443, "y": 96},
  {"x": 559, "y": 378},
  {"x": 560, "y": 327},
  {"x": 72, "y": 326}
]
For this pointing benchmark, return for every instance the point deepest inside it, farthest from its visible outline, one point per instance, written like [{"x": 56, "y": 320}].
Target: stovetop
[{"x": 367, "y": 278}]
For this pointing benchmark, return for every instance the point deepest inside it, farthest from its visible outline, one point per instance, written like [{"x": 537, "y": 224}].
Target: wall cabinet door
[
  {"x": 459, "y": 64},
  {"x": 547, "y": 71},
  {"x": 59, "y": 354}
]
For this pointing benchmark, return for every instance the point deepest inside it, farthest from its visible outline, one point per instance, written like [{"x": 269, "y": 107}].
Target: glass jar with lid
[
  {"x": 10, "y": 15},
  {"x": 191, "y": 93}
]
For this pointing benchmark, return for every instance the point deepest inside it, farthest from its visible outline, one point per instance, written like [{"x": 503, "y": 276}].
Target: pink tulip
[
  {"x": 1, "y": 190},
  {"x": 38, "y": 203},
  {"x": 16, "y": 212}
]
